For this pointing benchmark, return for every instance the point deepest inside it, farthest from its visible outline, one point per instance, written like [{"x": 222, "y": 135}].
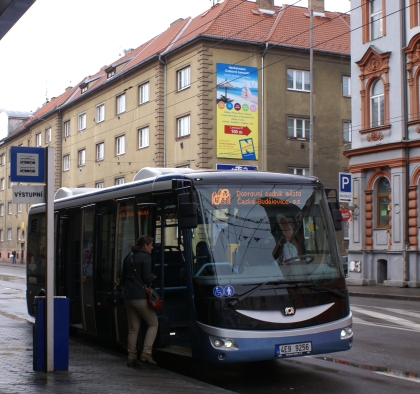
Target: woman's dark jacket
[{"x": 132, "y": 285}]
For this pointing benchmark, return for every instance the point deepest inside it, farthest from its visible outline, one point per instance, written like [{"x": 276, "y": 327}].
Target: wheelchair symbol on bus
[{"x": 218, "y": 291}]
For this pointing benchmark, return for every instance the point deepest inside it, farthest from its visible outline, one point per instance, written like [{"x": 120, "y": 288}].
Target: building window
[
  {"x": 298, "y": 171},
  {"x": 48, "y": 135},
  {"x": 1, "y": 236},
  {"x": 19, "y": 208},
  {"x": 38, "y": 139},
  {"x": 3, "y": 159},
  {"x": 347, "y": 131},
  {"x": 119, "y": 181},
  {"x": 144, "y": 93},
  {"x": 81, "y": 157},
  {"x": 84, "y": 88},
  {"x": 1, "y": 209},
  {"x": 110, "y": 74},
  {"x": 99, "y": 185},
  {"x": 345, "y": 226},
  {"x": 100, "y": 151},
  {"x": 377, "y": 104},
  {"x": 120, "y": 145},
  {"x": 67, "y": 129},
  {"x": 82, "y": 121},
  {"x": 298, "y": 128},
  {"x": 10, "y": 206},
  {"x": 121, "y": 104},
  {"x": 299, "y": 80},
  {"x": 346, "y": 86},
  {"x": 183, "y": 78},
  {"x": 183, "y": 126},
  {"x": 383, "y": 203},
  {"x": 144, "y": 137},
  {"x": 9, "y": 234},
  {"x": 2, "y": 183},
  {"x": 100, "y": 113},
  {"x": 375, "y": 19},
  {"x": 66, "y": 162}
]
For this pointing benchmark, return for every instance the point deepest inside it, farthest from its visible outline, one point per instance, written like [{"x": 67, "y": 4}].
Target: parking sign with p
[{"x": 344, "y": 180}]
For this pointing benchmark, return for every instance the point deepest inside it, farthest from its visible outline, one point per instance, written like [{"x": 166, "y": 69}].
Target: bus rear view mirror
[
  {"x": 337, "y": 218},
  {"x": 187, "y": 211}
]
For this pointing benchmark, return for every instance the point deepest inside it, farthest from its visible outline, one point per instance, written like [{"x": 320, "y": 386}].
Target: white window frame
[
  {"x": 10, "y": 208},
  {"x": 120, "y": 145},
  {"x": 377, "y": 100},
  {"x": 347, "y": 130},
  {"x": 100, "y": 113},
  {"x": 144, "y": 93},
  {"x": 305, "y": 129},
  {"x": 183, "y": 126},
  {"x": 66, "y": 162},
  {"x": 82, "y": 121},
  {"x": 81, "y": 157},
  {"x": 66, "y": 129},
  {"x": 1, "y": 236},
  {"x": 144, "y": 134},
  {"x": 48, "y": 135},
  {"x": 298, "y": 79},
  {"x": 375, "y": 19},
  {"x": 346, "y": 86},
  {"x": 183, "y": 78},
  {"x": 3, "y": 159},
  {"x": 38, "y": 139},
  {"x": 120, "y": 181},
  {"x": 298, "y": 171},
  {"x": 110, "y": 74},
  {"x": 121, "y": 103},
  {"x": 99, "y": 185},
  {"x": 2, "y": 183},
  {"x": 19, "y": 208},
  {"x": 1, "y": 209},
  {"x": 9, "y": 234},
  {"x": 100, "y": 151}
]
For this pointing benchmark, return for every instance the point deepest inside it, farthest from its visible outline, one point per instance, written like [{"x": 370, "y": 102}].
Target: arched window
[
  {"x": 383, "y": 203},
  {"x": 377, "y": 106}
]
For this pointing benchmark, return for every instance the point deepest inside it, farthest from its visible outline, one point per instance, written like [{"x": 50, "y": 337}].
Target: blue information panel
[
  {"x": 233, "y": 167},
  {"x": 27, "y": 164}
]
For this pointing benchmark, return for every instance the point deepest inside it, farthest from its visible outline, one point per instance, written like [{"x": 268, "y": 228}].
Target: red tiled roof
[{"x": 230, "y": 20}]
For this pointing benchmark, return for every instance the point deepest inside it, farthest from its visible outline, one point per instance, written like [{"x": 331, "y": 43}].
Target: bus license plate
[{"x": 293, "y": 349}]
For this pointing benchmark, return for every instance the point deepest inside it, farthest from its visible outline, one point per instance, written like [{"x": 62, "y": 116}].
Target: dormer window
[
  {"x": 110, "y": 72},
  {"x": 83, "y": 88}
]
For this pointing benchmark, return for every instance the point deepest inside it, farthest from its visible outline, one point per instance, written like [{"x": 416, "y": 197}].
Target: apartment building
[{"x": 207, "y": 91}]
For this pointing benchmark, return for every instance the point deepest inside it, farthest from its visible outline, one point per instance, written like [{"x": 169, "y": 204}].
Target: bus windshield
[{"x": 252, "y": 233}]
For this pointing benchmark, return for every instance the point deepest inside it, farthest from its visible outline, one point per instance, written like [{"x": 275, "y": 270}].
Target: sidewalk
[
  {"x": 92, "y": 369},
  {"x": 388, "y": 292}
]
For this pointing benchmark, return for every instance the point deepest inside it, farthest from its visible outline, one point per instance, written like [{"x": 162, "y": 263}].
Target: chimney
[
  {"x": 318, "y": 6},
  {"x": 265, "y": 5}
]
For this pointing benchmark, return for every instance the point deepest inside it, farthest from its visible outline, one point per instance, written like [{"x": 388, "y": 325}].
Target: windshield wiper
[{"x": 284, "y": 283}]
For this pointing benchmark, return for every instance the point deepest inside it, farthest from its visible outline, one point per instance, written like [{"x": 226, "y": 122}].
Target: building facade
[
  {"x": 202, "y": 93},
  {"x": 385, "y": 153}
]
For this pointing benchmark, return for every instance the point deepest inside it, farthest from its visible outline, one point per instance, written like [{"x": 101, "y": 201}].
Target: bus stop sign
[{"x": 27, "y": 164}]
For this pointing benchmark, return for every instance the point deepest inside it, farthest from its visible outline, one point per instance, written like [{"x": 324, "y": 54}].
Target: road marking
[
  {"x": 402, "y": 322},
  {"x": 399, "y": 311},
  {"x": 391, "y": 375},
  {"x": 357, "y": 320}
]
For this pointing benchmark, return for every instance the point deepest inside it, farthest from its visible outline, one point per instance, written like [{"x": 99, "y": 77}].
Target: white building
[{"x": 385, "y": 153}]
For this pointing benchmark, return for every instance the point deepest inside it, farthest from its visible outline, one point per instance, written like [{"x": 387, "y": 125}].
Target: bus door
[
  {"x": 87, "y": 270},
  {"x": 170, "y": 269},
  {"x": 68, "y": 257},
  {"x": 126, "y": 235},
  {"x": 104, "y": 254}
]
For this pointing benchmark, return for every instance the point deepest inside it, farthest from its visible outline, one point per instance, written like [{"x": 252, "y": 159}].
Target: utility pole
[{"x": 311, "y": 115}]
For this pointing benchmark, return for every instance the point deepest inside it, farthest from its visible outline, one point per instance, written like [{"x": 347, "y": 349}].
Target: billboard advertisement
[{"x": 237, "y": 111}]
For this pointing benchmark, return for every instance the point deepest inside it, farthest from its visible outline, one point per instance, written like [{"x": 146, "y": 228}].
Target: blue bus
[{"x": 246, "y": 262}]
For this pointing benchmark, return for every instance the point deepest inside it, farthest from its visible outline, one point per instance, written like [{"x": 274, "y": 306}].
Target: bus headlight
[
  {"x": 223, "y": 343},
  {"x": 346, "y": 333}
]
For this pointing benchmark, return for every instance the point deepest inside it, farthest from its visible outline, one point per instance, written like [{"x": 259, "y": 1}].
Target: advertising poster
[{"x": 237, "y": 111}]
